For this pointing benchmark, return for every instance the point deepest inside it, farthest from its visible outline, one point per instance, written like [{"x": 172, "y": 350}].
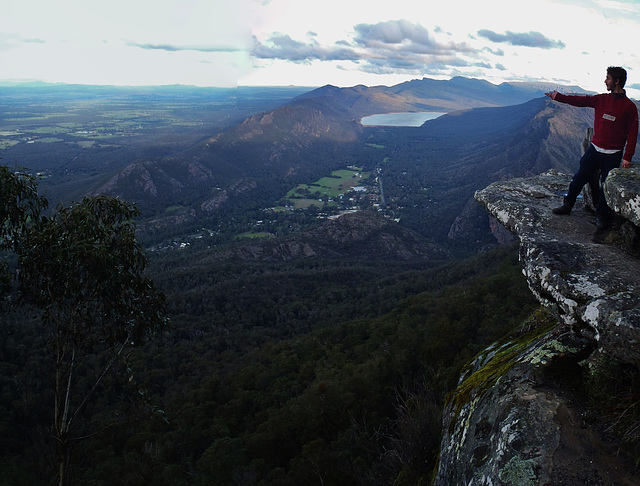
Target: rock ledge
[
  {"x": 590, "y": 285},
  {"x": 513, "y": 419}
]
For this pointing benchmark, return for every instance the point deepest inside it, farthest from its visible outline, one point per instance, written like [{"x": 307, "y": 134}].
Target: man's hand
[
  {"x": 626, "y": 164},
  {"x": 552, "y": 94}
]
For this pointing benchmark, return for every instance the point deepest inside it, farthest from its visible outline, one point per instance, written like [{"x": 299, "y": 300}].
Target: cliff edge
[{"x": 523, "y": 411}]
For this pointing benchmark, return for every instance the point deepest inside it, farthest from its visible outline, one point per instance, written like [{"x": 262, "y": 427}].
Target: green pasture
[
  {"x": 306, "y": 203},
  {"x": 5, "y": 144},
  {"x": 26, "y": 118},
  {"x": 85, "y": 143},
  {"x": 249, "y": 234},
  {"x": 48, "y": 140},
  {"x": 339, "y": 182},
  {"x": 30, "y": 117},
  {"x": 173, "y": 209},
  {"x": 49, "y": 130},
  {"x": 128, "y": 114}
]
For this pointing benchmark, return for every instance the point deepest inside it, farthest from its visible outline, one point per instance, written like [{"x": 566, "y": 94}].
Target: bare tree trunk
[
  {"x": 63, "y": 388},
  {"x": 63, "y": 469},
  {"x": 64, "y": 416}
]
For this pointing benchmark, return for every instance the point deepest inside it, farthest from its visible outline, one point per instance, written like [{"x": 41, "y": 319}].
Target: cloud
[
  {"x": 495, "y": 52},
  {"x": 392, "y": 32},
  {"x": 33, "y": 41},
  {"x": 524, "y": 39},
  {"x": 403, "y": 35},
  {"x": 13, "y": 40},
  {"x": 282, "y": 46},
  {"x": 622, "y": 6},
  {"x": 177, "y": 48},
  {"x": 396, "y": 45}
]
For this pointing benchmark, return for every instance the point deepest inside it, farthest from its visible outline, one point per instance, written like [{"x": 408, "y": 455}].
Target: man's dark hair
[{"x": 618, "y": 74}]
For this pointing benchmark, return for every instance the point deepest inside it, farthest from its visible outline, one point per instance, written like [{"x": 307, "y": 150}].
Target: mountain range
[
  {"x": 489, "y": 133},
  {"x": 306, "y": 343}
]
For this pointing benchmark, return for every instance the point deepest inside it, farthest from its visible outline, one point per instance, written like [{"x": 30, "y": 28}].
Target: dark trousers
[{"x": 592, "y": 161}]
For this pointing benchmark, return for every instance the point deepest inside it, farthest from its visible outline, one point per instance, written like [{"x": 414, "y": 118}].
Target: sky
[{"x": 312, "y": 43}]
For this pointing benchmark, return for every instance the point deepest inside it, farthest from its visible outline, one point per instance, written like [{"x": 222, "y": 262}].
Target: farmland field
[{"x": 329, "y": 188}]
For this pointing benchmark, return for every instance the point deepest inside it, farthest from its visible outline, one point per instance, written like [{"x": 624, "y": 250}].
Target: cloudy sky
[{"x": 313, "y": 42}]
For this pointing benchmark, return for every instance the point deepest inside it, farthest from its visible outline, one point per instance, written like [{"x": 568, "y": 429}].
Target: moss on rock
[{"x": 502, "y": 358}]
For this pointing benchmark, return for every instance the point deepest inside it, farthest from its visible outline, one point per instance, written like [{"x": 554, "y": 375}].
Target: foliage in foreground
[
  {"x": 81, "y": 271},
  {"x": 357, "y": 401}
]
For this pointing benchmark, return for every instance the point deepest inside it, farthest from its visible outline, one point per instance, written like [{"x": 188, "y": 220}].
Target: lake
[{"x": 400, "y": 119}]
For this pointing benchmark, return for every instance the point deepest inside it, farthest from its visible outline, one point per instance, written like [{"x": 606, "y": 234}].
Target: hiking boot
[
  {"x": 603, "y": 222},
  {"x": 565, "y": 209}
]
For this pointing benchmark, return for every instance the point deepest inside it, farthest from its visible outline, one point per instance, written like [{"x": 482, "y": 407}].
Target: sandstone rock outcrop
[
  {"x": 513, "y": 418},
  {"x": 590, "y": 285},
  {"x": 622, "y": 189}
]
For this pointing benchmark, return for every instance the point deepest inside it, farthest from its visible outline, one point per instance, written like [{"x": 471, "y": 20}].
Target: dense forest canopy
[{"x": 276, "y": 373}]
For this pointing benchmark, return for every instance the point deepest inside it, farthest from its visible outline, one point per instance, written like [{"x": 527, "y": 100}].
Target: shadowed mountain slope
[
  {"x": 430, "y": 173},
  {"x": 435, "y": 169},
  {"x": 364, "y": 235}
]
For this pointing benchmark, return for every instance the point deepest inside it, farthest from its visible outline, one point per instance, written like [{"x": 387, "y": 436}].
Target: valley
[
  {"x": 205, "y": 164},
  {"x": 325, "y": 281}
]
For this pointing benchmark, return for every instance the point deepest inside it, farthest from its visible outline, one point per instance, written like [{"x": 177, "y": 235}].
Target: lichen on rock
[
  {"x": 500, "y": 420},
  {"x": 511, "y": 420},
  {"x": 567, "y": 268}
]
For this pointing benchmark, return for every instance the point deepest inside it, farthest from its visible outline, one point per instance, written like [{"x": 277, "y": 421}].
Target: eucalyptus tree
[
  {"x": 20, "y": 206},
  {"x": 84, "y": 269}
]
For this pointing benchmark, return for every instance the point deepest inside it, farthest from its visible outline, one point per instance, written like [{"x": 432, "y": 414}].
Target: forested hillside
[{"x": 277, "y": 373}]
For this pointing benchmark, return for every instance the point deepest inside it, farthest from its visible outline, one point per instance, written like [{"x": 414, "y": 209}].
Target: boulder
[
  {"x": 592, "y": 286},
  {"x": 514, "y": 418},
  {"x": 622, "y": 190},
  {"x": 509, "y": 423}
]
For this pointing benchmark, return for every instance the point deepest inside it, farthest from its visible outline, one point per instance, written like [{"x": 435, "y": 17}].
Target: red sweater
[{"x": 615, "y": 123}]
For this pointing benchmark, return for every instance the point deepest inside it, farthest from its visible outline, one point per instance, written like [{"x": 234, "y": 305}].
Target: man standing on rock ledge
[{"x": 615, "y": 124}]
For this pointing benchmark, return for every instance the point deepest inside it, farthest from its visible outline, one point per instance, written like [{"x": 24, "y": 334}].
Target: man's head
[{"x": 616, "y": 77}]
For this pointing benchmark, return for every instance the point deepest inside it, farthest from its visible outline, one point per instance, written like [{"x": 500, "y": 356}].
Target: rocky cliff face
[{"x": 517, "y": 417}]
